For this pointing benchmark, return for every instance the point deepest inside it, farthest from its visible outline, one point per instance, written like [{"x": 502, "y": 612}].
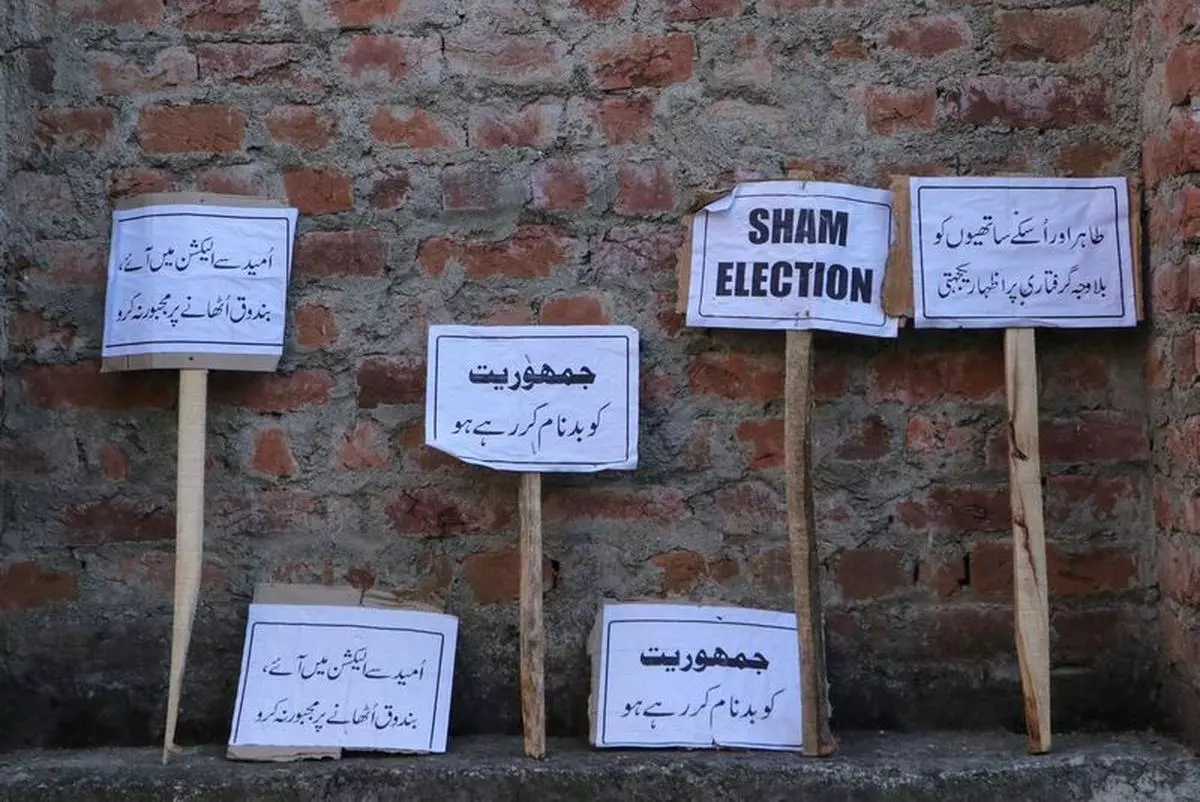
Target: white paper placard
[
  {"x": 696, "y": 676},
  {"x": 1022, "y": 252},
  {"x": 198, "y": 279},
  {"x": 350, "y": 677},
  {"x": 792, "y": 255},
  {"x": 534, "y": 398}
]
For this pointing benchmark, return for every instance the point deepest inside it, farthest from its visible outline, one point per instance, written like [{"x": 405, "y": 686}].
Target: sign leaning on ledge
[
  {"x": 798, "y": 256},
  {"x": 533, "y": 399},
  {"x": 1016, "y": 253},
  {"x": 196, "y": 282}
]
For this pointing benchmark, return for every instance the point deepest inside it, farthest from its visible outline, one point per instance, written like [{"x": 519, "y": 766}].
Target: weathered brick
[
  {"x": 318, "y": 190},
  {"x": 658, "y": 505},
  {"x": 1100, "y": 570},
  {"x": 381, "y": 58},
  {"x": 1182, "y": 79},
  {"x": 26, "y": 585},
  {"x": 1094, "y": 437},
  {"x": 237, "y": 179},
  {"x": 1044, "y": 102},
  {"x": 315, "y": 326},
  {"x": 363, "y": 13},
  {"x": 89, "y": 128},
  {"x": 272, "y": 454},
  {"x": 1052, "y": 34},
  {"x": 1174, "y": 151},
  {"x": 390, "y": 191},
  {"x": 681, "y": 570},
  {"x": 429, "y": 512},
  {"x": 867, "y": 439},
  {"x": 645, "y": 188},
  {"x": 272, "y": 392},
  {"x": 737, "y": 377},
  {"x": 518, "y": 60},
  {"x": 973, "y": 375},
  {"x": 573, "y": 310},
  {"x": 531, "y": 251},
  {"x": 358, "y": 449},
  {"x": 765, "y": 436},
  {"x": 172, "y": 67},
  {"x": 138, "y": 181},
  {"x": 146, "y": 13},
  {"x": 645, "y": 61},
  {"x": 81, "y": 385},
  {"x": 927, "y": 36},
  {"x": 559, "y": 185},
  {"x": 415, "y": 128},
  {"x": 471, "y": 187},
  {"x": 624, "y": 120},
  {"x": 956, "y": 510},
  {"x": 534, "y": 126},
  {"x": 114, "y": 463},
  {"x": 340, "y": 254},
  {"x": 690, "y": 10},
  {"x": 390, "y": 381},
  {"x": 495, "y": 577},
  {"x": 300, "y": 126},
  {"x": 117, "y": 520},
  {"x": 869, "y": 573},
  {"x": 218, "y": 15},
  {"x": 891, "y": 110},
  {"x": 232, "y": 62},
  {"x": 210, "y": 128}
]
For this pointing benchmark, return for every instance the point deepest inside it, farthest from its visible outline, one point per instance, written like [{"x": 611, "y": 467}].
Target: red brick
[
  {"x": 1091, "y": 497},
  {"x": 1102, "y": 570},
  {"x": 88, "y": 128},
  {"x": 30, "y": 332},
  {"x": 218, "y": 15},
  {"x": 412, "y": 443},
  {"x": 518, "y": 60},
  {"x": 429, "y": 512},
  {"x": 234, "y": 63},
  {"x": 384, "y": 381},
  {"x": 772, "y": 571},
  {"x": 891, "y": 110},
  {"x": 624, "y": 120},
  {"x": 722, "y": 569},
  {"x": 531, "y": 252},
  {"x": 1089, "y": 159},
  {"x": 976, "y": 375},
  {"x": 681, "y": 568},
  {"x": 340, "y": 254},
  {"x": 1173, "y": 152},
  {"x": 870, "y": 439},
  {"x": 852, "y": 48},
  {"x": 1051, "y": 34},
  {"x": 765, "y": 436},
  {"x": 628, "y": 251},
  {"x": 140, "y": 181},
  {"x": 415, "y": 128},
  {"x": 1077, "y": 374},
  {"x": 300, "y": 126},
  {"x": 380, "y": 58},
  {"x": 1044, "y": 102},
  {"x": 318, "y": 190},
  {"x": 645, "y": 61},
  {"x": 363, "y": 13},
  {"x": 272, "y": 456},
  {"x": 1184, "y": 219},
  {"x": 1102, "y": 436},
  {"x": 470, "y": 188},
  {"x": 21, "y": 459},
  {"x": 872, "y": 573},
  {"x": 1182, "y": 80},
  {"x": 236, "y": 179},
  {"x": 737, "y": 377},
  {"x": 1179, "y": 569},
  {"x": 358, "y": 450},
  {"x": 534, "y": 126},
  {"x": 117, "y": 520},
  {"x": 390, "y": 191},
  {"x": 926, "y": 37},
  {"x": 496, "y": 576},
  {"x": 601, "y": 9},
  {"x": 956, "y": 510},
  {"x": 966, "y": 632},
  {"x": 659, "y": 506},
  {"x": 790, "y": 6},
  {"x": 273, "y": 392},
  {"x": 146, "y": 13},
  {"x": 315, "y": 327},
  {"x": 210, "y": 128},
  {"x": 172, "y": 67},
  {"x": 1176, "y": 16},
  {"x": 559, "y": 185},
  {"x": 946, "y": 576},
  {"x": 645, "y": 188},
  {"x": 81, "y": 385},
  {"x": 690, "y": 10},
  {"x": 114, "y": 463},
  {"x": 26, "y": 585},
  {"x": 70, "y": 263},
  {"x": 573, "y": 310}
]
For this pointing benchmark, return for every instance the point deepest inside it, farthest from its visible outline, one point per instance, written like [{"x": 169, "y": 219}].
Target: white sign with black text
[
  {"x": 534, "y": 398},
  {"x": 198, "y": 279},
  {"x": 792, "y": 255},
  {"x": 349, "y": 677},
  {"x": 695, "y": 676},
  {"x": 1022, "y": 252}
]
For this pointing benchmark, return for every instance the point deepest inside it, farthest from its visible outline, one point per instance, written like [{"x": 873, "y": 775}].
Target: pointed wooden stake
[
  {"x": 533, "y": 639},
  {"x": 1029, "y": 534},
  {"x": 806, "y": 581},
  {"x": 189, "y": 535}
]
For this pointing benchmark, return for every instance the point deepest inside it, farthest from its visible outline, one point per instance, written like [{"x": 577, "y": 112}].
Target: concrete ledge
[{"x": 897, "y": 768}]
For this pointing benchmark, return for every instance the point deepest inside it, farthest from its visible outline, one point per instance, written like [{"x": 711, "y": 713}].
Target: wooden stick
[
  {"x": 817, "y": 739},
  {"x": 533, "y": 640},
  {"x": 1029, "y": 534},
  {"x": 189, "y": 534}
]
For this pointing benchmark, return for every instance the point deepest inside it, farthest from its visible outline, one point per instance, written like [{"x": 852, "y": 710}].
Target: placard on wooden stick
[
  {"x": 534, "y": 399},
  {"x": 196, "y": 282},
  {"x": 1018, "y": 253},
  {"x": 797, "y": 256}
]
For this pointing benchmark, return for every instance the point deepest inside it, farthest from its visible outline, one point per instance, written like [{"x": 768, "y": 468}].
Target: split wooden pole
[
  {"x": 533, "y": 634},
  {"x": 189, "y": 535},
  {"x": 806, "y": 581},
  {"x": 1029, "y": 534}
]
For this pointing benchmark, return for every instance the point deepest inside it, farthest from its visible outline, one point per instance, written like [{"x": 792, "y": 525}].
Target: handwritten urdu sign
[
  {"x": 792, "y": 255},
  {"x": 350, "y": 677},
  {"x": 201, "y": 280},
  {"x": 695, "y": 676},
  {"x": 534, "y": 398},
  {"x": 1022, "y": 252}
]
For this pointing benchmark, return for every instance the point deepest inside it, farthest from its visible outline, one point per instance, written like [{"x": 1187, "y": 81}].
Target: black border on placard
[
  {"x": 600, "y": 711},
  {"x": 250, "y": 651},
  {"x": 704, "y": 265},
  {"x": 286, "y": 279},
  {"x": 630, "y": 402},
  {"x": 1032, "y": 315}
]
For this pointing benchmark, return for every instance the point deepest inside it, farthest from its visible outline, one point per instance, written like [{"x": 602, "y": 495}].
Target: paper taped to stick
[
  {"x": 534, "y": 398},
  {"x": 792, "y": 255},
  {"x": 672, "y": 675},
  {"x": 204, "y": 280}
]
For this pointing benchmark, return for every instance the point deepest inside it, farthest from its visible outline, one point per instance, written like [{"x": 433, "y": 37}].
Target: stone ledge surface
[{"x": 981, "y": 767}]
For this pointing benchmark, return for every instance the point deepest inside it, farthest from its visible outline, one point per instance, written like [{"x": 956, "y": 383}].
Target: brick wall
[
  {"x": 510, "y": 162},
  {"x": 1170, "y": 33}
]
